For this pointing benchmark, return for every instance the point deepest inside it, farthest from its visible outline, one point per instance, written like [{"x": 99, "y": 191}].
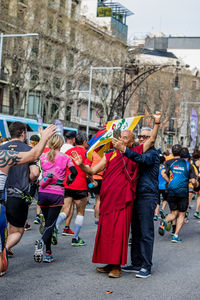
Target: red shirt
[
  {"x": 46, "y": 149},
  {"x": 80, "y": 183}
]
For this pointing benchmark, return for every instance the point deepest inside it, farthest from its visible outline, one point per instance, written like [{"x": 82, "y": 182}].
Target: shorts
[
  {"x": 178, "y": 203},
  {"x": 16, "y": 211},
  {"x": 75, "y": 194},
  {"x": 191, "y": 189},
  {"x": 3, "y": 227},
  {"x": 164, "y": 196},
  {"x": 196, "y": 190},
  {"x": 96, "y": 190},
  {"x": 50, "y": 200}
]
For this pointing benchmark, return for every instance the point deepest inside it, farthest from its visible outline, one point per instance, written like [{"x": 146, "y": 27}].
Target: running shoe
[
  {"x": 155, "y": 217},
  {"x": 131, "y": 269},
  {"x": 78, "y": 242},
  {"x": 173, "y": 229},
  {"x": 162, "y": 227},
  {"x": 38, "y": 255},
  {"x": 4, "y": 260},
  {"x": 27, "y": 226},
  {"x": 36, "y": 220},
  {"x": 176, "y": 239},
  {"x": 197, "y": 215},
  {"x": 54, "y": 238},
  {"x": 67, "y": 231},
  {"x": 10, "y": 252},
  {"x": 143, "y": 273},
  {"x": 42, "y": 224},
  {"x": 162, "y": 213},
  {"x": 48, "y": 257},
  {"x": 169, "y": 225}
]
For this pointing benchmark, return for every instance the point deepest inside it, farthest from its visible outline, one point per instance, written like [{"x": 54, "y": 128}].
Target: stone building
[{"x": 44, "y": 75}]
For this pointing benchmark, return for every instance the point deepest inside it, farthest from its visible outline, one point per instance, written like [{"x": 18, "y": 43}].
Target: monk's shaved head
[
  {"x": 128, "y": 137},
  {"x": 131, "y": 134}
]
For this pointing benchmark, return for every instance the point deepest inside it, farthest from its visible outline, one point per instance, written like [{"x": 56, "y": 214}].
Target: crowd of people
[{"x": 129, "y": 183}]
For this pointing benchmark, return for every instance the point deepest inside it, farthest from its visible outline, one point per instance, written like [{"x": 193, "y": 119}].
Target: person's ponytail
[{"x": 55, "y": 142}]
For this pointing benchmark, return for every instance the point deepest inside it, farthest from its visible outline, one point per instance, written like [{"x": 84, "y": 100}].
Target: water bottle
[
  {"x": 90, "y": 185},
  {"x": 46, "y": 180}
]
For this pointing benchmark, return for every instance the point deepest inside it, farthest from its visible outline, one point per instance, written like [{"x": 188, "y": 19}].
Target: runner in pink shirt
[{"x": 51, "y": 192}]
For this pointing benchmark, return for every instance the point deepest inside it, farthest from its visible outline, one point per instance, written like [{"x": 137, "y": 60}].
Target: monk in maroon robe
[{"x": 117, "y": 196}]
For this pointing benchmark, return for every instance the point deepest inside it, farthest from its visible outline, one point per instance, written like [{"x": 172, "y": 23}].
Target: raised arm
[
  {"x": 88, "y": 170},
  {"x": 35, "y": 152},
  {"x": 150, "y": 142},
  {"x": 11, "y": 158}
]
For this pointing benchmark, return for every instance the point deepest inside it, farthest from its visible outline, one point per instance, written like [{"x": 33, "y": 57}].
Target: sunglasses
[{"x": 143, "y": 136}]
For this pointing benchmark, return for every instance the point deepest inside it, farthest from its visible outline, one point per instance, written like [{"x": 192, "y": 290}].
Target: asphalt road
[{"x": 175, "y": 273}]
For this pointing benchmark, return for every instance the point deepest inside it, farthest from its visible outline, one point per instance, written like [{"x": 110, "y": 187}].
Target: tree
[{"x": 59, "y": 61}]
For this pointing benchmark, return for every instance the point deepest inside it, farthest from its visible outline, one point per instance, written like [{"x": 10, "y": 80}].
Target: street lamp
[
  {"x": 90, "y": 91},
  {"x": 2, "y": 36}
]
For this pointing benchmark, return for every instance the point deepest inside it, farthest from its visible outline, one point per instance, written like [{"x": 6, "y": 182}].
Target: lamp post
[
  {"x": 90, "y": 91},
  {"x": 2, "y": 36}
]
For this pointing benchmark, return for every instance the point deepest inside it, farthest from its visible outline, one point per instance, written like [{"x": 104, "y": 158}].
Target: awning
[
  {"x": 33, "y": 126},
  {"x": 4, "y": 132}
]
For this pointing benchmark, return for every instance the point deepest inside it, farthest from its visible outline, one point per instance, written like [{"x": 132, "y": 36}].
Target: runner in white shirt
[{"x": 69, "y": 141}]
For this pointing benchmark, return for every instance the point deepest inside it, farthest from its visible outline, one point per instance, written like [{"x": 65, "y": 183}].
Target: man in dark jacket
[{"x": 144, "y": 207}]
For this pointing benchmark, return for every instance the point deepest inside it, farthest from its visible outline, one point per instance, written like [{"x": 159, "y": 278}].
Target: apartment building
[{"x": 49, "y": 74}]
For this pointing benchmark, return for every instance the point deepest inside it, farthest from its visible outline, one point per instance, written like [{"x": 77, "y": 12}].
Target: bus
[{"x": 32, "y": 125}]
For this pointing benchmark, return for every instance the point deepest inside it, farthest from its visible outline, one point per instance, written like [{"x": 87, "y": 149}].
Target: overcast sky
[{"x": 175, "y": 17}]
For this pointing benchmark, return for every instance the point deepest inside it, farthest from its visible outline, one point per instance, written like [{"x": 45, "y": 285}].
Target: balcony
[
  {"x": 118, "y": 14},
  {"x": 119, "y": 30}
]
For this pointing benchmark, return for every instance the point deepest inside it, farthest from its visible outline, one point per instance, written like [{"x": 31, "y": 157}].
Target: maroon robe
[{"x": 117, "y": 194}]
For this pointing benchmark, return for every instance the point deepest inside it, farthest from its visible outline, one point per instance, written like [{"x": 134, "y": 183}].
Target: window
[
  {"x": 23, "y": 1},
  {"x": 34, "y": 104},
  {"x": 50, "y": 23},
  {"x": 60, "y": 26},
  {"x": 105, "y": 91},
  {"x": 56, "y": 83},
  {"x": 96, "y": 92},
  {"x": 48, "y": 50},
  {"x": 58, "y": 58},
  {"x": 171, "y": 125},
  {"x": 68, "y": 86},
  {"x": 34, "y": 77},
  {"x": 91, "y": 114},
  {"x": 62, "y": 3},
  {"x": 52, "y": 3},
  {"x": 170, "y": 140},
  {"x": 71, "y": 60},
  {"x": 73, "y": 10},
  {"x": 194, "y": 85},
  {"x": 68, "y": 113},
  {"x": 21, "y": 14},
  {"x": 35, "y": 48},
  {"x": 54, "y": 108},
  {"x": 78, "y": 113}
]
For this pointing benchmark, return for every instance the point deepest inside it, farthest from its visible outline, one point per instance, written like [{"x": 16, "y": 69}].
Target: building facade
[{"x": 46, "y": 75}]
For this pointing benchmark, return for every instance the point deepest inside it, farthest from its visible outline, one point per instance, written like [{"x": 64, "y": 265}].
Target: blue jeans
[{"x": 143, "y": 231}]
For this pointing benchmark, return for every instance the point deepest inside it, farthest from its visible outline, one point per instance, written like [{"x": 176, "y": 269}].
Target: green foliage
[{"x": 104, "y": 11}]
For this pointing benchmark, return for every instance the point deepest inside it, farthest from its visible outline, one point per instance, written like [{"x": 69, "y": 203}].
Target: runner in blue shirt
[
  {"x": 178, "y": 173},
  {"x": 162, "y": 192}
]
